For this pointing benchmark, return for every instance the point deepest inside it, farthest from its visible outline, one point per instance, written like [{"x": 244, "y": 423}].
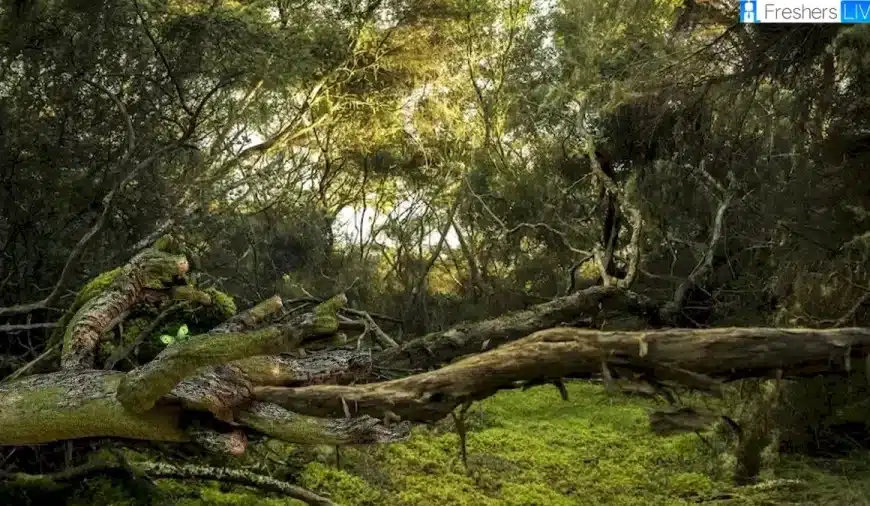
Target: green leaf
[
  {"x": 166, "y": 339},
  {"x": 182, "y": 331}
]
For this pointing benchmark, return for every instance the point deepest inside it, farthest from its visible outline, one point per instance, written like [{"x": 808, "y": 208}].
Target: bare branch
[
  {"x": 79, "y": 249},
  {"x": 165, "y": 470},
  {"x": 383, "y": 339},
  {"x": 17, "y": 374},
  {"x": 162, "y": 56},
  {"x": 672, "y": 354},
  {"x": 846, "y": 318},
  {"x": 27, "y": 326},
  {"x": 128, "y": 120},
  {"x": 705, "y": 265},
  {"x": 507, "y": 231},
  {"x": 635, "y": 217}
]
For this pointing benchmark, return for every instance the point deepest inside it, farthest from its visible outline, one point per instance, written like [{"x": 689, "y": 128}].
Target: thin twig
[
  {"x": 47, "y": 353},
  {"x": 122, "y": 353},
  {"x": 27, "y": 326}
]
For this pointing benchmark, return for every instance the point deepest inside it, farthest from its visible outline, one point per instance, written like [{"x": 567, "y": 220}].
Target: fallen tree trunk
[
  {"x": 83, "y": 404},
  {"x": 697, "y": 358},
  {"x": 236, "y": 378},
  {"x": 438, "y": 348}
]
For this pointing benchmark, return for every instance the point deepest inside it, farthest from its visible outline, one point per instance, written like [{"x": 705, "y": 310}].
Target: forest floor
[{"x": 533, "y": 449}]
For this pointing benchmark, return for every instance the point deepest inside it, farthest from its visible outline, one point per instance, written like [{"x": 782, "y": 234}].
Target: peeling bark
[{"x": 149, "y": 270}]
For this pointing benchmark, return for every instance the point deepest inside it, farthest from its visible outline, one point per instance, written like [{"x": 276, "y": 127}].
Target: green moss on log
[
  {"x": 77, "y": 404},
  {"x": 222, "y": 302},
  {"x": 149, "y": 269},
  {"x": 326, "y": 314},
  {"x": 92, "y": 288},
  {"x": 141, "y": 387}
]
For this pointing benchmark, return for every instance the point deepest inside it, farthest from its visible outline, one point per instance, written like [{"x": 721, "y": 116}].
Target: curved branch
[
  {"x": 128, "y": 120},
  {"x": 148, "y": 270},
  {"x": 162, "y": 56},
  {"x": 79, "y": 249},
  {"x": 438, "y": 348},
  {"x": 705, "y": 265}
]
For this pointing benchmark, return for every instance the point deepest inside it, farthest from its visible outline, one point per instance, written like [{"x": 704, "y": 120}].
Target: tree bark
[
  {"x": 697, "y": 358},
  {"x": 439, "y": 348}
]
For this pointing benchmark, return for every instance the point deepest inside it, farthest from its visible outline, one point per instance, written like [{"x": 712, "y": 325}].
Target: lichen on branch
[{"x": 149, "y": 270}]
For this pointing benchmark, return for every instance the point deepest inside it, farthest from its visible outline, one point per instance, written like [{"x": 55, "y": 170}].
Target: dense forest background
[{"x": 450, "y": 161}]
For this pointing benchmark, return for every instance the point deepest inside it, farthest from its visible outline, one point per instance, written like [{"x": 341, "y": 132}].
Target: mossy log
[
  {"x": 199, "y": 375},
  {"x": 82, "y": 404}
]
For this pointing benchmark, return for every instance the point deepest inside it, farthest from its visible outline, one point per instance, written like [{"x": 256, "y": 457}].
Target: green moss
[
  {"x": 221, "y": 302},
  {"x": 92, "y": 288},
  {"x": 344, "y": 488},
  {"x": 536, "y": 450},
  {"x": 326, "y": 314},
  {"x": 97, "y": 286},
  {"x": 160, "y": 268},
  {"x": 132, "y": 329},
  {"x": 104, "y": 491},
  {"x": 169, "y": 244}
]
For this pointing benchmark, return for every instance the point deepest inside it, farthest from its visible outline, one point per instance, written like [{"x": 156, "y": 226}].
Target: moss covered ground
[{"x": 531, "y": 448}]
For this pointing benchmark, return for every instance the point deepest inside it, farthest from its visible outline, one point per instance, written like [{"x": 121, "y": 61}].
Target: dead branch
[
  {"x": 383, "y": 339},
  {"x": 635, "y": 217},
  {"x": 27, "y": 326},
  {"x": 438, "y": 348},
  {"x": 164, "y": 470},
  {"x": 714, "y": 354},
  {"x": 23, "y": 369},
  {"x": 705, "y": 265}
]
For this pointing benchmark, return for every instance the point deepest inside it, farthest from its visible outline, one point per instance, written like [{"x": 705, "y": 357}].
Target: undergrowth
[{"x": 531, "y": 448}]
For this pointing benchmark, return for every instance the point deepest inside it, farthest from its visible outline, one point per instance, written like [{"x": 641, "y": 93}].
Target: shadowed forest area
[{"x": 432, "y": 252}]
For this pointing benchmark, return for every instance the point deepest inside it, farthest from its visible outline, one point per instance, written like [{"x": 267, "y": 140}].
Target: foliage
[{"x": 180, "y": 336}]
